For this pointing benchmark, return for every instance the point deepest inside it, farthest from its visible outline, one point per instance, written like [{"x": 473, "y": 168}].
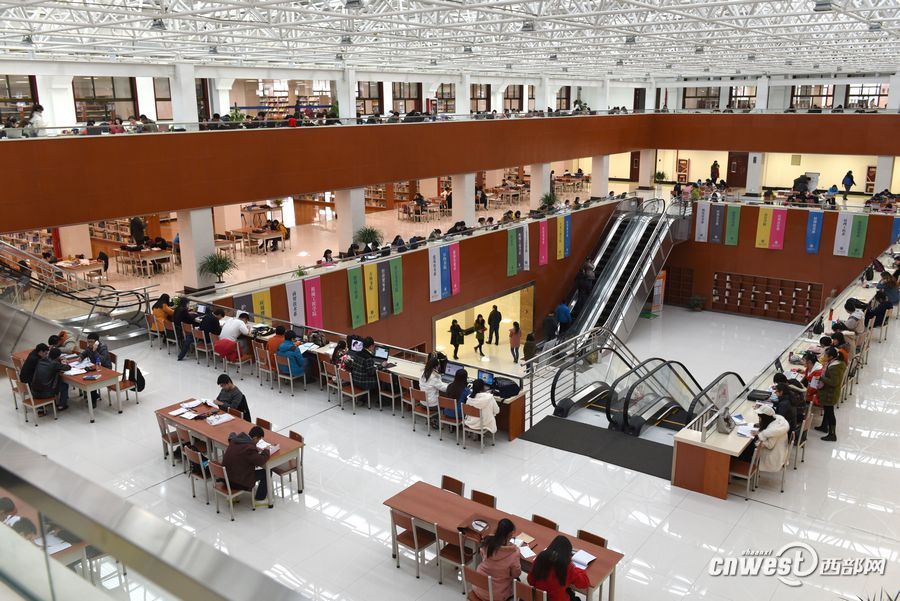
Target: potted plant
[
  {"x": 278, "y": 202},
  {"x": 659, "y": 177},
  {"x": 300, "y": 272},
  {"x": 368, "y": 235},
  {"x": 548, "y": 201},
  {"x": 696, "y": 303},
  {"x": 217, "y": 264}
]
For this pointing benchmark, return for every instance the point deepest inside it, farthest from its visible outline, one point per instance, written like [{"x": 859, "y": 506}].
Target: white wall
[
  {"x": 895, "y": 182},
  {"x": 780, "y": 173},
  {"x": 701, "y": 161},
  {"x": 492, "y": 178},
  {"x": 779, "y": 97},
  {"x": 428, "y": 187},
  {"x": 620, "y": 97},
  {"x": 146, "y": 96},
  {"x": 75, "y": 240},
  {"x": 620, "y": 164}
]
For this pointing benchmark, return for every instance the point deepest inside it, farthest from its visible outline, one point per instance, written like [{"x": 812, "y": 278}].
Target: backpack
[
  {"x": 818, "y": 327},
  {"x": 870, "y": 273},
  {"x": 139, "y": 382}
]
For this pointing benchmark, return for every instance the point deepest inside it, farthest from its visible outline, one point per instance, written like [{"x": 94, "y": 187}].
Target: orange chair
[
  {"x": 387, "y": 390},
  {"x": 194, "y": 458},
  {"x": 538, "y": 519},
  {"x": 290, "y": 376},
  {"x": 484, "y": 499},
  {"x": 412, "y": 536},
  {"x": 201, "y": 346},
  {"x": 222, "y": 488},
  {"x": 151, "y": 330},
  {"x": 453, "y": 485},
  {"x": 420, "y": 409},
  {"x": 169, "y": 438},
  {"x": 169, "y": 337},
  {"x": 443, "y": 420},
  {"x": 522, "y": 591},
  {"x": 292, "y": 466},
  {"x": 332, "y": 380},
  {"x": 18, "y": 388},
  {"x": 348, "y": 390},
  {"x": 406, "y": 400},
  {"x": 264, "y": 365},
  {"x": 453, "y": 551},
  {"x": 236, "y": 413},
  {"x": 264, "y": 423},
  {"x": 474, "y": 578},
  {"x": 127, "y": 383}
]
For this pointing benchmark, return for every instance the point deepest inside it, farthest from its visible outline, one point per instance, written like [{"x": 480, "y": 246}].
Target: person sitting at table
[
  {"x": 500, "y": 560},
  {"x": 459, "y": 391},
  {"x": 398, "y": 241},
  {"x": 64, "y": 341},
  {"x": 327, "y": 259},
  {"x": 49, "y": 257},
  {"x": 878, "y": 308},
  {"x": 888, "y": 285},
  {"x": 8, "y": 511},
  {"x": 274, "y": 342},
  {"x": 231, "y": 397},
  {"x": 434, "y": 235},
  {"x": 363, "y": 371},
  {"x": 162, "y": 312},
  {"x": 430, "y": 382},
  {"x": 420, "y": 200},
  {"x": 784, "y": 404},
  {"x": 245, "y": 464},
  {"x": 96, "y": 352},
  {"x": 26, "y": 373},
  {"x": 47, "y": 382},
  {"x": 353, "y": 250},
  {"x": 339, "y": 356},
  {"x": 234, "y": 339},
  {"x": 183, "y": 315},
  {"x": 25, "y": 528},
  {"x": 484, "y": 400},
  {"x": 845, "y": 347},
  {"x": 212, "y": 323},
  {"x": 554, "y": 572},
  {"x": 288, "y": 349},
  {"x": 825, "y": 342}
]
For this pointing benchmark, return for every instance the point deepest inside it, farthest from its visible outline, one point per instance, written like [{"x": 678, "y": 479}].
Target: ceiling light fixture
[
  {"x": 28, "y": 40},
  {"x": 669, "y": 66},
  {"x": 565, "y": 69},
  {"x": 338, "y": 57},
  {"x": 822, "y": 6},
  {"x": 213, "y": 50},
  {"x": 158, "y": 25},
  {"x": 751, "y": 57},
  {"x": 630, "y": 39},
  {"x": 554, "y": 57},
  {"x": 620, "y": 63},
  {"x": 346, "y": 40},
  {"x": 434, "y": 62},
  {"x": 467, "y": 49},
  {"x": 706, "y": 69},
  {"x": 509, "y": 66},
  {"x": 698, "y": 50},
  {"x": 353, "y": 4},
  {"x": 528, "y": 26},
  {"x": 875, "y": 26}
]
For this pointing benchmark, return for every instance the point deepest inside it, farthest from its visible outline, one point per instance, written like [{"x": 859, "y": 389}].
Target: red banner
[
  {"x": 454, "y": 268},
  {"x": 312, "y": 293},
  {"x": 543, "y": 248}
]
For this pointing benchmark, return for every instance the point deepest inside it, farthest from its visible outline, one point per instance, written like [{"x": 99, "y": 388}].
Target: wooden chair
[
  {"x": 453, "y": 485},
  {"x": 201, "y": 346},
  {"x": 170, "y": 337},
  {"x": 235, "y": 413},
  {"x": 474, "y": 578},
  {"x": 406, "y": 400},
  {"x": 323, "y": 375},
  {"x": 114, "y": 361},
  {"x": 264, "y": 423},
  {"x": 420, "y": 409},
  {"x": 412, "y": 536},
  {"x": 522, "y": 591},
  {"x": 451, "y": 422},
  {"x": 18, "y": 388},
  {"x": 539, "y": 519},
  {"x": 387, "y": 390},
  {"x": 800, "y": 443},
  {"x": 484, "y": 499},
  {"x": 332, "y": 380},
  {"x": 169, "y": 438},
  {"x": 185, "y": 440},
  {"x": 264, "y": 364},
  {"x": 348, "y": 390},
  {"x": 470, "y": 411},
  {"x": 241, "y": 360},
  {"x": 222, "y": 488},
  {"x": 292, "y": 466},
  {"x": 193, "y": 458},
  {"x": 290, "y": 376},
  {"x": 452, "y": 550},
  {"x": 151, "y": 332},
  {"x": 127, "y": 383},
  {"x": 744, "y": 470},
  {"x": 35, "y": 404},
  {"x": 594, "y": 539},
  {"x": 784, "y": 466}
]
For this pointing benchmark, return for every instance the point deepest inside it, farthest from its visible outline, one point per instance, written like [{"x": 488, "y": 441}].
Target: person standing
[
  {"x": 714, "y": 171},
  {"x": 37, "y": 123},
  {"x": 848, "y": 182},
  {"x": 830, "y": 384},
  {"x": 550, "y": 325},
  {"x": 564, "y": 317},
  {"x": 494, "y": 319},
  {"x": 456, "y": 337},
  {"x": 480, "y": 328},
  {"x": 136, "y": 228},
  {"x": 515, "y": 340}
]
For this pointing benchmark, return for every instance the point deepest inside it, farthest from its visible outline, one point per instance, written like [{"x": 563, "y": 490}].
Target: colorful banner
[
  {"x": 732, "y": 225},
  {"x": 560, "y": 238},
  {"x": 296, "y": 306},
  {"x": 242, "y": 304},
  {"x": 357, "y": 304},
  {"x": 567, "y": 236},
  {"x": 454, "y": 268},
  {"x": 659, "y": 291},
  {"x": 779, "y": 224},
  {"x": 397, "y": 284},
  {"x": 814, "y": 231},
  {"x": 526, "y": 248},
  {"x": 895, "y": 230},
  {"x": 858, "y": 236},
  {"x": 384, "y": 289},
  {"x": 262, "y": 303},
  {"x": 446, "y": 288},
  {"x": 434, "y": 273},
  {"x": 764, "y": 227},
  {"x": 701, "y": 228},
  {"x": 370, "y": 289},
  {"x": 312, "y": 293},
  {"x": 717, "y": 223},
  {"x": 520, "y": 249},
  {"x": 512, "y": 263},
  {"x": 544, "y": 242},
  {"x": 842, "y": 234}
]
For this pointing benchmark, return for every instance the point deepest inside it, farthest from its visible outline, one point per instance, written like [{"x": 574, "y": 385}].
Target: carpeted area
[{"x": 606, "y": 445}]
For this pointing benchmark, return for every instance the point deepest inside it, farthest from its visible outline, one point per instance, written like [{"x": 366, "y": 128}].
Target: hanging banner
[
  {"x": 262, "y": 303},
  {"x": 526, "y": 249},
  {"x": 397, "y": 284},
  {"x": 384, "y": 289},
  {"x": 842, "y": 234},
  {"x": 764, "y": 227},
  {"x": 242, "y": 304},
  {"x": 560, "y": 239},
  {"x": 296, "y": 307},
  {"x": 779, "y": 224},
  {"x": 434, "y": 273},
  {"x": 357, "y": 304},
  {"x": 544, "y": 242},
  {"x": 814, "y": 231},
  {"x": 659, "y": 291},
  {"x": 520, "y": 249},
  {"x": 454, "y": 268},
  {"x": 895, "y": 230},
  {"x": 312, "y": 293},
  {"x": 732, "y": 225},
  {"x": 701, "y": 228},
  {"x": 567, "y": 236},
  {"x": 370, "y": 289},
  {"x": 446, "y": 288},
  {"x": 858, "y": 236},
  {"x": 717, "y": 223},
  {"x": 512, "y": 263}
]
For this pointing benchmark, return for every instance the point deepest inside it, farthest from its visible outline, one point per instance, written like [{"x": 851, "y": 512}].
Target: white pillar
[
  {"x": 146, "y": 97},
  {"x": 679, "y": 99},
  {"x": 58, "y": 99},
  {"x": 893, "y": 102},
  {"x": 387, "y": 92},
  {"x": 350, "y": 206},
  {"x": 600, "y": 176},
  {"x": 648, "y": 169},
  {"x": 184, "y": 94},
  {"x": 756, "y": 164},
  {"x": 540, "y": 184},
  {"x": 463, "y": 95},
  {"x": 346, "y": 91},
  {"x": 196, "y": 239},
  {"x": 762, "y": 96},
  {"x": 884, "y": 174},
  {"x": 463, "y": 187},
  {"x": 75, "y": 240},
  {"x": 497, "y": 91},
  {"x": 650, "y": 98},
  {"x": 545, "y": 95},
  {"x": 221, "y": 97},
  {"x": 724, "y": 94},
  {"x": 227, "y": 217}
]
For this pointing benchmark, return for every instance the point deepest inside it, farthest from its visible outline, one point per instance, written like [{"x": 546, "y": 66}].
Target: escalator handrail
[
  {"x": 104, "y": 293},
  {"x": 598, "y": 254},
  {"x": 705, "y": 391},
  {"x": 633, "y": 371},
  {"x": 668, "y": 364},
  {"x": 576, "y": 360}
]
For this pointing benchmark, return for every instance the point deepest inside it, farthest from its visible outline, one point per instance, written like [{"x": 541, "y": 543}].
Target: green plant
[
  {"x": 236, "y": 114},
  {"x": 548, "y": 200},
  {"x": 334, "y": 112},
  {"x": 368, "y": 235},
  {"x": 217, "y": 264},
  {"x": 659, "y": 177},
  {"x": 697, "y": 303},
  {"x": 278, "y": 202},
  {"x": 300, "y": 272}
]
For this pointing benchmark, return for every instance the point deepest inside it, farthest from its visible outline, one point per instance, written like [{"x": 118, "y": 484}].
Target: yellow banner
[
  {"x": 370, "y": 289},
  {"x": 560, "y": 238},
  {"x": 764, "y": 227},
  {"x": 262, "y": 303}
]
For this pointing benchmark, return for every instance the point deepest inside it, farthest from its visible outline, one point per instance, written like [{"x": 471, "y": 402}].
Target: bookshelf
[
  {"x": 31, "y": 241},
  {"x": 111, "y": 230},
  {"x": 774, "y": 298},
  {"x": 376, "y": 196}
]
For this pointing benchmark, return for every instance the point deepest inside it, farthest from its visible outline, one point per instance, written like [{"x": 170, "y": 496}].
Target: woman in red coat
[{"x": 554, "y": 572}]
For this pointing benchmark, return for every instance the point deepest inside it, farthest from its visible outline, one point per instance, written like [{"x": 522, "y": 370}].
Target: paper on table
[
  {"x": 582, "y": 558},
  {"x": 524, "y": 538},
  {"x": 76, "y": 371},
  {"x": 177, "y": 412},
  {"x": 526, "y": 552},
  {"x": 738, "y": 419},
  {"x": 62, "y": 546},
  {"x": 745, "y": 431},
  {"x": 83, "y": 363},
  {"x": 188, "y": 415},
  {"x": 215, "y": 420},
  {"x": 192, "y": 404},
  {"x": 210, "y": 403}
]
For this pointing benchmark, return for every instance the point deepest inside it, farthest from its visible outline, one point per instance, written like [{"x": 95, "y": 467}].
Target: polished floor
[{"x": 332, "y": 542}]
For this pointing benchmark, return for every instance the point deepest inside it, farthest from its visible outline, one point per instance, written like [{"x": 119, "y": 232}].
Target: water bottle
[{"x": 97, "y": 361}]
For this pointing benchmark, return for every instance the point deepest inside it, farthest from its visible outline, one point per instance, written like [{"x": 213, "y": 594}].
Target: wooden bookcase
[
  {"x": 773, "y": 298},
  {"x": 679, "y": 285}
]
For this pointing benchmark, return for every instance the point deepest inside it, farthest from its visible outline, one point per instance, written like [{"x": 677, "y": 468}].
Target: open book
[
  {"x": 262, "y": 445},
  {"x": 581, "y": 559}
]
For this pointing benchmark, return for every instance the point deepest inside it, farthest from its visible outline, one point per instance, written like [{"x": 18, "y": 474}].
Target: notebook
[{"x": 581, "y": 559}]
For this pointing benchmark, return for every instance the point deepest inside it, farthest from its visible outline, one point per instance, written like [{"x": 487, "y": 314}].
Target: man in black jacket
[
  {"x": 47, "y": 382},
  {"x": 210, "y": 323},
  {"x": 26, "y": 374},
  {"x": 494, "y": 319},
  {"x": 97, "y": 352}
]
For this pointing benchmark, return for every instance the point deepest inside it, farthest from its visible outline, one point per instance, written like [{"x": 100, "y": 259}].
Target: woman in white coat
[
  {"x": 481, "y": 399},
  {"x": 430, "y": 382},
  {"x": 772, "y": 440}
]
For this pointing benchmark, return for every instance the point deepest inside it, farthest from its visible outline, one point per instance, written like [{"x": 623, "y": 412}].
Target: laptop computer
[
  {"x": 778, "y": 366},
  {"x": 450, "y": 371},
  {"x": 487, "y": 377},
  {"x": 382, "y": 354}
]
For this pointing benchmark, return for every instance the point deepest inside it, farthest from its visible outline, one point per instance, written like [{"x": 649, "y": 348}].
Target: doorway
[
  {"x": 634, "y": 173},
  {"x": 640, "y": 99},
  {"x": 737, "y": 169}
]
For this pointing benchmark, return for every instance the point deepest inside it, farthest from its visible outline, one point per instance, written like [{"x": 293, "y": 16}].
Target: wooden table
[
  {"x": 75, "y": 552},
  {"x": 434, "y": 505},
  {"x": 79, "y": 267},
  {"x": 251, "y": 234},
  {"x": 217, "y": 436},
  {"x": 226, "y": 245}
]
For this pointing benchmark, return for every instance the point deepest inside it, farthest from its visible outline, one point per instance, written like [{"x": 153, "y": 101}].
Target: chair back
[
  {"x": 403, "y": 520},
  {"x": 151, "y": 321},
  {"x": 218, "y": 472},
  {"x": 193, "y": 456},
  {"x": 294, "y": 436},
  {"x": 163, "y": 425},
  {"x": 18, "y": 363},
  {"x": 453, "y": 485},
  {"x": 170, "y": 327},
  {"x": 184, "y": 437},
  {"x": 263, "y": 359},
  {"x": 522, "y": 591},
  {"x": 129, "y": 371},
  {"x": 263, "y": 423},
  {"x": 470, "y": 411},
  {"x": 594, "y": 539},
  {"x": 199, "y": 338},
  {"x": 447, "y": 403},
  {"x": 14, "y": 382},
  {"x": 418, "y": 396},
  {"x": 344, "y": 378},
  {"x": 114, "y": 360},
  {"x": 385, "y": 378},
  {"x": 482, "y": 581},
  {"x": 484, "y": 498},
  {"x": 283, "y": 362},
  {"x": 186, "y": 328},
  {"x": 548, "y": 523},
  {"x": 235, "y": 413}
]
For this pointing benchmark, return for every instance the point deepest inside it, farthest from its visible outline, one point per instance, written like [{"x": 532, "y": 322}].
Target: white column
[
  {"x": 463, "y": 188},
  {"x": 146, "y": 97},
  {"x": 884, "y": 174},
  {"x": 545, "y": 95},
  {"x": 762, "y": 96},
  {"x": 58, "y": 99},
  {"x": 724, "y": 93},
  {"x": 195, "y": 229},
  {"x": 602, "y": 97},
  {"x": 387, "y": 92},
  {"x": 75, "y": 240},
  {"x": 221, "y": 95},
  {"x": 840, "y": 95},
  {"x": 648, "y": 169},
  {"x": 346, "y": 91},
  {"x": 227, "y": 217},
  {"x": 540, "y": 183},
  {"x": 893, "y": 102},
  {"x": 599, "y": 176},
  {"x": 755, "y": 167},
  {"x": 497, "y": 91},
  {"x": 350, "y": 206},
  {"x": 679, "y": 100},
  {"x": 650, "y": 98},
  {"x": 463, "y": 95},
  {"x": 184, "y": 94}
]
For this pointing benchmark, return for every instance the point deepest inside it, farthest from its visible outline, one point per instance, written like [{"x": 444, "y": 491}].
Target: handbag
[{"x": 724, "y": 422}]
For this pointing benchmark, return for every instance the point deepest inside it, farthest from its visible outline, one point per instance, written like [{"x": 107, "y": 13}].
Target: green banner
[
  {"x": 732, "y": 225},
  {"x": 512, "y": 253},
  {"x": 357, "y": 304},
  {"x": 858, "y": 236},
  {"x": 397, "y": 284}
]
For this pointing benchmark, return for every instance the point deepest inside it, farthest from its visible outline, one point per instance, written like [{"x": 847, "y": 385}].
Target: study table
[
  {"x": 433, "y": 505},
  {"x": 76, "y": 551},
  {"x": 217, "y": 437},
  {"x": 80, "y": 267},
  {"x": 260, "y": 236}
]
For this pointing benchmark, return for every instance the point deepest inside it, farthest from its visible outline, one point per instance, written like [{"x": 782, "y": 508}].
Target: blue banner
[
  {"x": 814, "y": 231},
  {"x": 446, "y": 288},
  {"x": 567, "y": 235},
  {"x": 895, "y": 230}
]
